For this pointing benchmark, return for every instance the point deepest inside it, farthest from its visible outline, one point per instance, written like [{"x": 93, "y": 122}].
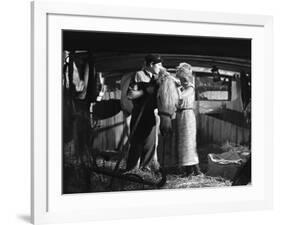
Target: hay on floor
[{"x": 176, "y": 181}]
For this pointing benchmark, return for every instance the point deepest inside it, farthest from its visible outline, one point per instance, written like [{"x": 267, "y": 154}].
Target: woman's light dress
[{"x": 179, "y": 148}]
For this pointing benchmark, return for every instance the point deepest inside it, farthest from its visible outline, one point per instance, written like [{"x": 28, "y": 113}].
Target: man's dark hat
[{"x": 153, "y": 58}]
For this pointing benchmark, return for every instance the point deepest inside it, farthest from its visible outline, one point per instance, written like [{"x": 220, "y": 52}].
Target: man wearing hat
[{"x": 142, "y": 91}]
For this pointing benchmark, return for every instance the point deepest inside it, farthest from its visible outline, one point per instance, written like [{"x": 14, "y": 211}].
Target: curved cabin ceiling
[{"x": 124, "y": 52}]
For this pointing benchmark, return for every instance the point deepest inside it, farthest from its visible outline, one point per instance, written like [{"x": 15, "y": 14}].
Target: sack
[{"x": 224, "y": 165}]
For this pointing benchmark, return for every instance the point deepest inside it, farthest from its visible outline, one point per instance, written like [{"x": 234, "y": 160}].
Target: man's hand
[
  {"x": 134, "y": 94},
  {"x": 150, "y": 90}
]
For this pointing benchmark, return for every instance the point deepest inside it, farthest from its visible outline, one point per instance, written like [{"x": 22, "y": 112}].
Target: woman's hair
[{"x": 184, "y": 70}]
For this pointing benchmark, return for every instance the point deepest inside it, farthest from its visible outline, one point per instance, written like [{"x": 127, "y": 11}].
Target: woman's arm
[
  {"x": 186, "y": 95},
  {"x": 187, "y": 92}
]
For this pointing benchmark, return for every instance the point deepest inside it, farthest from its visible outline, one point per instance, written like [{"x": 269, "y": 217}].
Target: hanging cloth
[{"x": 80, "y": 84}]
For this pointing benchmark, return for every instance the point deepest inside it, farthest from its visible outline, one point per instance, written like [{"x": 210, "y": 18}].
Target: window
[{"x": 212, "y": 88}]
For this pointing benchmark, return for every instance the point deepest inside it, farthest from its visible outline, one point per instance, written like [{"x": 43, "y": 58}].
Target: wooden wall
[
  {"x": 214, "y": 130},
  {"x": 210, "y": 129},
  {"x": 109, "y": 131}
]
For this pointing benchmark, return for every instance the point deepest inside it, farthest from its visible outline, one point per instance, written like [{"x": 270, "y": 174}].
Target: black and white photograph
[
  {"x": 153, "y": 111},
  {"x": 140, "y": 112}
]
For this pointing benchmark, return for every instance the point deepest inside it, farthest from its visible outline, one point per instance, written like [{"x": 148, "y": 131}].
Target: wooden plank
[
  {"x": 246, "y": 136},
  {"x": 211, "y": 128},
  {"x": 202, "y": 125},
  {"x": 213, "y": 134},
  {"x": 216, "y": 135},
  {"x": 104, "y": 142},
  {"x": 225, "y": 133},
  {"x": 204, "y": 128},
  {"x": 207, "y": 129},
  {"x": 240, "y": 134},
  {"x": 232, "y": 133},
  {"x": 201, "y": 128},
  {"x": 118, "y": 118},
  {"x": 220, "y": 130},
  {"x": 110, "y": 133}
]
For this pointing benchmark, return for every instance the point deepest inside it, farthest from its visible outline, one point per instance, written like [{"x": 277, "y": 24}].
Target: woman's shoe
[
  {"x": 196, "y": 170},
  {"x": 188, "y": 171}
]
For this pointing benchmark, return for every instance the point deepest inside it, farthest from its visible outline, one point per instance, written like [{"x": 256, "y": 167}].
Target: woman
[{"x": 186, "y": 122}]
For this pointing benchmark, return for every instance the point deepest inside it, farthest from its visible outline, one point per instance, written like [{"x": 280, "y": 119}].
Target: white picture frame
[{"x": 48, "y": 205}]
